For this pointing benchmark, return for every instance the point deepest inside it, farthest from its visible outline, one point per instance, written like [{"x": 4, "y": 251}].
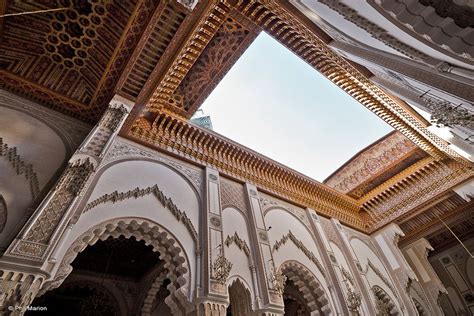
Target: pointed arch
[
  {"x": 313, "y": 294},
  {"x": 240, "y": 298}
]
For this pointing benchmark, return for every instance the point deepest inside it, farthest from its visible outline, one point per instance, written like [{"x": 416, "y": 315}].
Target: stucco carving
[
  {"x": 221, "y": 267},
  {"x": 150, "y": 232},
  {"x": 308, "y": 253},
  {"x": 384, "y": 304},
  {"x": 232, "y": 194},
  {"x": 21, "y": 168},
  {"x": 137, "y": 193},
  {"x": 278, "y": 280},
  {"x": 235, "y": 239},
  {"x": 68, "y": 187},
  {"x": 17, "y": 290},
  {"x": 306, "y": 282}
]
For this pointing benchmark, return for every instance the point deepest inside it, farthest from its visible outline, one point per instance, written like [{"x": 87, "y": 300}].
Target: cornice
[
  {"x": 415, "y": 190},
  {"x": 286, "y": 28},
  {"x": 178, "y": 137},
  {"x": 213, "y": 17},
  {"x": 398, "y": 179}
]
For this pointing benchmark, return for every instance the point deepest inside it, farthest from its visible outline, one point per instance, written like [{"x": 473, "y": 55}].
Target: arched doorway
[
  {"x": 140, "y": 263},
  {"x": 240, "y": 300},
  {"x": 104, "y": 275},
  {"x": 295, "y": 304},
  {"x": 303, "y": 294}
]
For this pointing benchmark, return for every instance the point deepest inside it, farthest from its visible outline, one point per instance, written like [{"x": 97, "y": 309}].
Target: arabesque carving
[
  {"x": 67, "y": 189},
  {"x": 21, "y": 168},
  {"x": 242, "y": 244},
  {"x": 137, "y": 193},
  {"x": 298, "y": 243}
]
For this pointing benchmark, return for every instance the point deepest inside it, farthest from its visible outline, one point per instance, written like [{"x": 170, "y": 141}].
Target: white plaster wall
[
  {"x": 234, "y": 221},
  {"x": 37, "y": 144},
  {"x": 128, "y": 175},
  {"x": 281, "y": 222},
  {"x": 364, "y": 253}
]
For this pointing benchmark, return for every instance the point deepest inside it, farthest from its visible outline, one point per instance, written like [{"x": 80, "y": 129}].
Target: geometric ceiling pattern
[
  {"x": 375, "y": 164},
  {"x": 70, "y": 59}
]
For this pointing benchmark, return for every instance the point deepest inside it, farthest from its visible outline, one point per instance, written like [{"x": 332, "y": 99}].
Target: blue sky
[{"x": 274, "y": 103}]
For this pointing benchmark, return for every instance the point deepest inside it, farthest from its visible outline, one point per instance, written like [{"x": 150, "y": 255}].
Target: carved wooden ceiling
[
  {"x": 426, "y": 222},
  {"x": 71, "y": 59},
  {"x": 168, "y": 59}
]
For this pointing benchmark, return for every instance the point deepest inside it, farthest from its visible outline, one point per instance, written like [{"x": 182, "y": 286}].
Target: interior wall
[{"x": 36, "y": 143}]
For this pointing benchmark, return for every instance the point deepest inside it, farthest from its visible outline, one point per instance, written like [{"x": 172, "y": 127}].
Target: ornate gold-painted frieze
[
  {"x": 213, "y": 17},
  {"x": 178, "y": 137}
]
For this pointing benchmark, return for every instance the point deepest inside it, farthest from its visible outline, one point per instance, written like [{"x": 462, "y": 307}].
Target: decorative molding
[
  {"x": 300, "y": 245},
  {"x": 278, "y": 280},
  {"x": 381, "y": 276},
  {"x": 20, "y": 167},
  {"x": 221, "y": 267},
  {"x": 137, "y": 193},
  {"x": 121, "y": 149},
  {"x": 242, "y": 244}
]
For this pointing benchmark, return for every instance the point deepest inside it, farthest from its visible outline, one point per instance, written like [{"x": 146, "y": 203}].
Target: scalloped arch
[
  {"x": 162, "y": 241},
  {"x": 307, "y": 284}
]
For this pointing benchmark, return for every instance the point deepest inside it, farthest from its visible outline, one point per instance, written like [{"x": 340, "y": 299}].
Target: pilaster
[
  {"x": 33, "y": 247},
  {"x": 417, "y": 256},
  {"x": 336, "y": 292},
  {"x": 270, "y": 301},
  {"x": 387, "y": 241},
  {"x": 367, "y": 304},
  {"x": 213, "y": 297}
]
